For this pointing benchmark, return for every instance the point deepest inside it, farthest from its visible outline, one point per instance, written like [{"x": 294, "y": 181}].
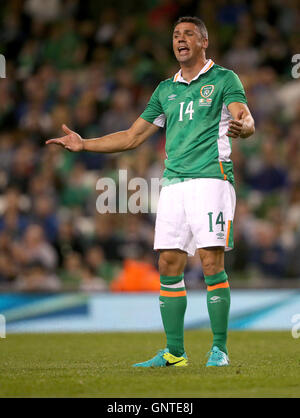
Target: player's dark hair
[{"x": 198, "y": 22}]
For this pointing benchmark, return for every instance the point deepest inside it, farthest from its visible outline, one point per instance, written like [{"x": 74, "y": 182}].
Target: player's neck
[{"x": 190, "y": 70}]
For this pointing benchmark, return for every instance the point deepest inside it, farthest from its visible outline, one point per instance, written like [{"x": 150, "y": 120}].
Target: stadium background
[{"x": 93, "y": 65}]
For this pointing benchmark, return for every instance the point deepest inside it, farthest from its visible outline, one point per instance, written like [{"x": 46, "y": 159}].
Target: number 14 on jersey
[{"x": 188, "y": 111}]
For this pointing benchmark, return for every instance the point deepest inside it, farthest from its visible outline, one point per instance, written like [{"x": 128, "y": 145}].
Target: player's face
[{"x": 187, "y": 42}]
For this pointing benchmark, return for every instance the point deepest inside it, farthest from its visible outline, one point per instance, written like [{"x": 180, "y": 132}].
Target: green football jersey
[{"x": 196, "y": 118}]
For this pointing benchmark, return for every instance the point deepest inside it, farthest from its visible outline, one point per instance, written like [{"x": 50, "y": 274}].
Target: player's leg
[
  {"x": 210, "y": 205},
  {"x": 173, "y": 298},
  {"x": 172, "y": 307},
  {"x": 218, "y": 299},
  {"x": 171, "y": 235}
]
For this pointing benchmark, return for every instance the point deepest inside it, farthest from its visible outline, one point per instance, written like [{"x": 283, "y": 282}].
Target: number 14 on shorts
[{"x": 219, "y": 220}]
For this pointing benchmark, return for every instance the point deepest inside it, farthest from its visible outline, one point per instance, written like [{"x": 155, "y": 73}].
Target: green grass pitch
[{"x": 263, "y": 364}]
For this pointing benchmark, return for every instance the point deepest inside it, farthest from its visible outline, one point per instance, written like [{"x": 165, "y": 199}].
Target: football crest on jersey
[{"x": 207, "y": 90}]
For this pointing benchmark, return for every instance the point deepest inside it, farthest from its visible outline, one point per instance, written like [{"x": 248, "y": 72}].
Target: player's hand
[
  {"x": 235, "y": 126},
  {"x": 72, "y": 141}
]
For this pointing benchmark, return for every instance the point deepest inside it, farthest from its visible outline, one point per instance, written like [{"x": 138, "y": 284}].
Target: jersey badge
[
  {"x": 205, "y": 102},
  {"x": 207, "y": 90}
]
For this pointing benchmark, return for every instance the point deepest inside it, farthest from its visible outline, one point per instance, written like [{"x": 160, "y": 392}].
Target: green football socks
[
  {"x": 218, "y": 305},
  {"x": 173, "y": 303}
]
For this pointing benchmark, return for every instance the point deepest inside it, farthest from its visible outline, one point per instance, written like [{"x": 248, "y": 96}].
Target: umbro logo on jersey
[{"x": 172, "y": 96}]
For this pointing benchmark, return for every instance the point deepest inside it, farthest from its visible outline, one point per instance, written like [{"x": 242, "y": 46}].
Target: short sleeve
[
  {"x": 154, "y": 112},
  {"x": 233, "y": 90}
]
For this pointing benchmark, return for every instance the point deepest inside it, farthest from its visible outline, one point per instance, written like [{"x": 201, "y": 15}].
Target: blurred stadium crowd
[{"x": 93, "y": 65}]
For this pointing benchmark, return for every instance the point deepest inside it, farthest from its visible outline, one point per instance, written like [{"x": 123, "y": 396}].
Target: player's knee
[
  {"x": 211, "y": 267},
  {"x": 169, "y": 267},
  {"x": 212, "y": 261},
  {"x": 171, "y": 264}
]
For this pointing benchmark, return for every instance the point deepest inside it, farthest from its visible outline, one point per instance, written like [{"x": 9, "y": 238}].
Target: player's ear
[{"x": 205, "y": 43}]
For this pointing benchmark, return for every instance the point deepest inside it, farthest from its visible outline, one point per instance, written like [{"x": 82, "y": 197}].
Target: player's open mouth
[{"x": 183, "y": 50}]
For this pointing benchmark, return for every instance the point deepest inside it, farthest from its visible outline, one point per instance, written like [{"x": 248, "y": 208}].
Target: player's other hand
[
  {"x": 72, "y": 141},
  {"x": 235, "y": 126}
]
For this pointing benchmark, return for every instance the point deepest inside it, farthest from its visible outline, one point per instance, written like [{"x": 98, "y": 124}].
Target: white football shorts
[{"x": 196, "y": 213}]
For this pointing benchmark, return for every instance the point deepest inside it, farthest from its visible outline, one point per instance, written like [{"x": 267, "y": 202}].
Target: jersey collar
[{"x": 178, "y": 76}]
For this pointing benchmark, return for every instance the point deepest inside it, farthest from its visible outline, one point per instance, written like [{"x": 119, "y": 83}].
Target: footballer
[{"x": 203, "y": 107}]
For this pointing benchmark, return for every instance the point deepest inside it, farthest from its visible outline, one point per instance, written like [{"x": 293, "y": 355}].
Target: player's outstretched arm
[
  {"x": 116, "y": 142},
  {"x": 242, "y": 124}
]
